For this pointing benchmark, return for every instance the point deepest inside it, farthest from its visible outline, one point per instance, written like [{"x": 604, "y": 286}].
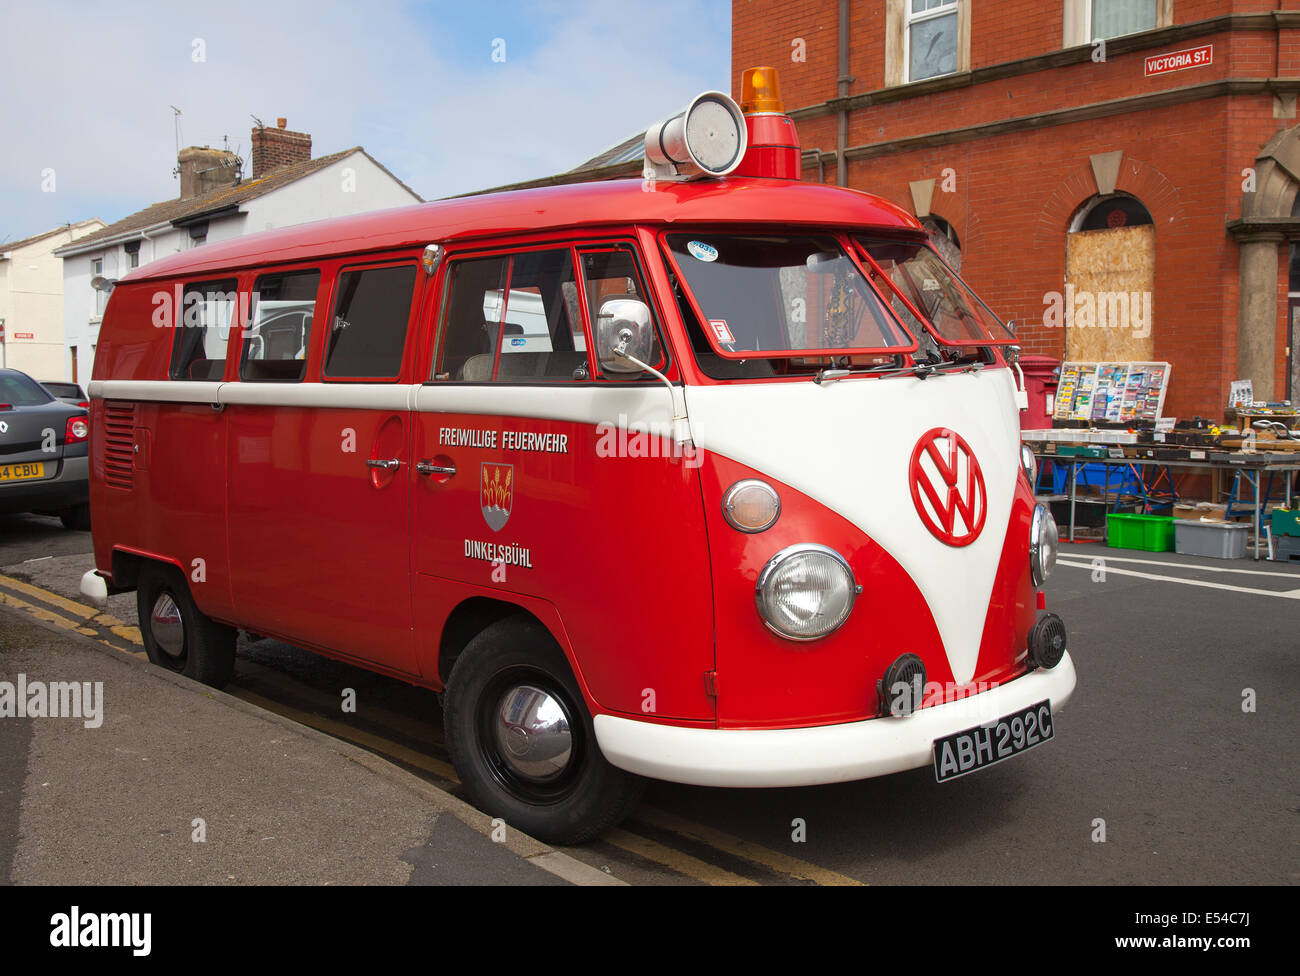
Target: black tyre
[
  {"x": 522, "y": 740},
  {"x": 77, "y": 517},
  {"x": 177, "y": 635}
]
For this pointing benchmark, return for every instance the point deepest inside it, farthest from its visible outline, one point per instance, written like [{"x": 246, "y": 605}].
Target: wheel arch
[
  {"x": 471, "y": 617},
  {"x": 128, "y": 563},
  {"x": 475, "y": 611}
]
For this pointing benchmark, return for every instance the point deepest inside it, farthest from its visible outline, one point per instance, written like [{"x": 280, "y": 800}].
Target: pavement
[{"x": 160, "y": 780}]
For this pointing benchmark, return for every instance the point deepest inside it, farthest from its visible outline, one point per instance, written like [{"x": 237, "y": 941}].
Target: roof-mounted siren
[
  {"x": 773, "y": 140},
  {"x": 708, "y": 139}
]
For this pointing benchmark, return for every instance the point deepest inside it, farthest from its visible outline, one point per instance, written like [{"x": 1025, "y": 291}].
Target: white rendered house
[{"x": 287, "y": 187}]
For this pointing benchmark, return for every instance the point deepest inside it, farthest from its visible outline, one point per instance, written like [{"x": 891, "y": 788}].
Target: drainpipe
[
  {"x": 844, "y": 82},
  {"x": 153, "y": 245}
]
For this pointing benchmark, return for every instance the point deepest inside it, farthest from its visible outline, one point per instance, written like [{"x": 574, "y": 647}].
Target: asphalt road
[{"x": 1155, "y": 752}]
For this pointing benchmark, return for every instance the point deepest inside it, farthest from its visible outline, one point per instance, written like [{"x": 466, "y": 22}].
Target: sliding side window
[
  {"x": 279, "y": 330},
  {"x": 371, "y": 316},
  {"x": 203, "y": 329}
]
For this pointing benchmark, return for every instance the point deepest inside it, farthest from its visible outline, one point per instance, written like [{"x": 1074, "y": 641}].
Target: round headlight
[
  {"x": 1043, "y": 543},
  {"x": 1029, "y": 463},
  {"x": 751, "y": 506},
  {"x": 805, "y": 591}
]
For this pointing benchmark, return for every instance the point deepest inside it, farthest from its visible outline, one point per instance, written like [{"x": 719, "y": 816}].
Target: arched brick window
[{"x": 1111, "y": 211}]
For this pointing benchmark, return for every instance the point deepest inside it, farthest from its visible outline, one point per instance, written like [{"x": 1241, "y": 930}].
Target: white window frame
[
  {"x": 950, "y": 7},
  {"x": 99, "y": 300},
  {"x": 1092, "y": 37},
  {"x": 1077, "y": 27}
]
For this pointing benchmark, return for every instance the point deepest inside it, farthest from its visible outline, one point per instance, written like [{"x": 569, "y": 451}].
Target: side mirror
[{"x": 625, "y": 336}]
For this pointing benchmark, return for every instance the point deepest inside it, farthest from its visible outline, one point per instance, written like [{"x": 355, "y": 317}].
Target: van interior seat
[
  {"x": 206, "y": 369},
  {"x": 523, "y": 366},
  {"x": 274, "y": 369},
  {"x": 721, "y": 368}
]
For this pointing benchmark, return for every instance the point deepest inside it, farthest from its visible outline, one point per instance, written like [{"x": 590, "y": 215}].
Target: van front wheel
[
  {"x": 177, "y": 635},
  {"x": 522, "y": 740}
]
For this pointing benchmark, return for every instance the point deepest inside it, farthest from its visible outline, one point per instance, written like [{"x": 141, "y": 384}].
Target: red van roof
[{"x": 619, "y": 202}]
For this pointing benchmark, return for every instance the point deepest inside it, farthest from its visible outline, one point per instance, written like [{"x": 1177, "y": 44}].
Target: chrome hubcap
[
  {"x": 532, "y": 733},
  {"x": 167, "y": 626}
]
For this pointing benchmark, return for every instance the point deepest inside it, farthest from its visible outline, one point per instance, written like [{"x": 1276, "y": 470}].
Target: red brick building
[{"x": 1058, "y": 153}]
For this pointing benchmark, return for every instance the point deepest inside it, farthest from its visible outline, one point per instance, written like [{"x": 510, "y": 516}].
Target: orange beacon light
[{"x": 773, "y": 141}]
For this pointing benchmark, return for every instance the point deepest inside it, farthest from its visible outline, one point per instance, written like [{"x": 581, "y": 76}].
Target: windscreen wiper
[{"x": 923, "y": 369}]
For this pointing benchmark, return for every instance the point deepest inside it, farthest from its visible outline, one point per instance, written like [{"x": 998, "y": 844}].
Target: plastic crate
[
  {"x": 1108, "y": 478},
  {"x": 1152, "y": 533},
  {"x": 1286, "y": 548},
  {"x": 1218, "y": 540},
  {"x": 1286, "y": 522}
]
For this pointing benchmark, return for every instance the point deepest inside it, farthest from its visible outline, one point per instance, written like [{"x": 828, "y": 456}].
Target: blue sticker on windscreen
[
  {"x": 701, "y": 251},
  {"x": 516, "y": 342}
]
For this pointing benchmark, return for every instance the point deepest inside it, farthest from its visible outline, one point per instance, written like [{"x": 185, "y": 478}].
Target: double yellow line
[{"x": 68, "y": 614}]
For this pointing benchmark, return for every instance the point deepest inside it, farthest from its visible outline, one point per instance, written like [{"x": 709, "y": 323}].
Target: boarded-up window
[{"x": 1110, "y": 290}]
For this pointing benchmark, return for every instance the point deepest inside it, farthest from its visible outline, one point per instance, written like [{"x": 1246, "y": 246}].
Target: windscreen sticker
[
  {"x": 701, "y": 251},
  {"x": 930, "y": 285},
  {"x": 720, "y": 330}
]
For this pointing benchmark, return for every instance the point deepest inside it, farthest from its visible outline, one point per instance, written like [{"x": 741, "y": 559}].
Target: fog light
[
  {"x": 901, "y": 689},
  {"x": 1047, "y": 641}
]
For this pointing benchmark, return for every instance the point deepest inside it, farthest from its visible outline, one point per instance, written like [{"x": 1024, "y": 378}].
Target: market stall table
[{"x": 1251, "y": 466}]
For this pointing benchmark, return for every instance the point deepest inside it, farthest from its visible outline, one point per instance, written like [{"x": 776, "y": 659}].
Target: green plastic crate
[
  {"x": 1152, "y": 533},
  {"x": 1286, "y": 522}
]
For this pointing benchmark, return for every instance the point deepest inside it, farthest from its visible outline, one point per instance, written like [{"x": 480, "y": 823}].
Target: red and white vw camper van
[{"x": 712, "y": 477}]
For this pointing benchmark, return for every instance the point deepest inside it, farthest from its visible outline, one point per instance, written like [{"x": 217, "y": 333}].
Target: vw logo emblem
[{"x": 948, "y": 487}]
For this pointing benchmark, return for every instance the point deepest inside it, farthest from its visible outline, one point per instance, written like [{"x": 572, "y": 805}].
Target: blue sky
[{"x": 89, "y": 87}]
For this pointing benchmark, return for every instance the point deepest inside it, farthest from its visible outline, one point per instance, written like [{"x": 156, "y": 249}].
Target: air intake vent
[{"x": 119, "y": 444}]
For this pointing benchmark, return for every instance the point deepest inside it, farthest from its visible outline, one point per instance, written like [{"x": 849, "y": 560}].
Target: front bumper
[{"x": 821, "y": 754}]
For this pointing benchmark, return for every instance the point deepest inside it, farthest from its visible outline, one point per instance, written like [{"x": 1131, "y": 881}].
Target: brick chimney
[
  {"x": 203, "y": 170},
  {"x": 273, "y": 148}
]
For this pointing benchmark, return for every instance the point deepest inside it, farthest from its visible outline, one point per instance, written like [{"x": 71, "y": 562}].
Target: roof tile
[{"x": 226, "y": 196}]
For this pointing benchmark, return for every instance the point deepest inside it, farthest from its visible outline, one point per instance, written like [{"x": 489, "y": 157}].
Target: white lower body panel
[{"x": 821, "y": 754}]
